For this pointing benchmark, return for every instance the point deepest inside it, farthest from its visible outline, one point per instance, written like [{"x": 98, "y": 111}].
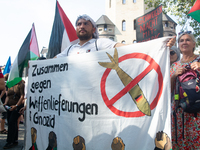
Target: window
[
  {"x": 170, "y": 34},
  {"x": 105, "y": 27},
  {"x": 134, "y": 24},
  {"x": 166, "y": 24},
  {"x": 123, "y": 1},
  {"x": 123, "y": 42},
  {"x": 134, "y": 1},
  {"x": 110, "y": 30},
  {"x": 123, "y": 25}
]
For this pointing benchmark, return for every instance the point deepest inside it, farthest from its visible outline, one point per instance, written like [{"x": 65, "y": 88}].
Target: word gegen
[{"x": 45, "y": 84}]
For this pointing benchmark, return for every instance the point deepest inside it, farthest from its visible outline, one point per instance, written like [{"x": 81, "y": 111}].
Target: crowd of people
[
  {"x": 12, "y": 99},
  {"x": 87, "y": 33}
]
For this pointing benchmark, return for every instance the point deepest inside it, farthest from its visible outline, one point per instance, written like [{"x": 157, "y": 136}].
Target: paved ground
[{"x": 20, "y": 139}]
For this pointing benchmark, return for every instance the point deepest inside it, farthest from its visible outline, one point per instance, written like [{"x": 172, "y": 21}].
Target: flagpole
[{"x": 184, "y": 25}]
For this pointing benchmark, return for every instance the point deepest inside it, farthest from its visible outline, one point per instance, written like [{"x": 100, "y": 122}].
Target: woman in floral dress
[{"x": 191, "y": 129}]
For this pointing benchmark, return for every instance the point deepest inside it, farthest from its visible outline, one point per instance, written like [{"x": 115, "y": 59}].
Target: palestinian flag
[
  {"x": 28, "y": 51},
  {"x": 195, "y": 11},
  {"x": 63, "y": 33}
]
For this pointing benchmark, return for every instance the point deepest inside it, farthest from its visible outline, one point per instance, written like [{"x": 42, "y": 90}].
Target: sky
[{"x": 17, "y": 17}]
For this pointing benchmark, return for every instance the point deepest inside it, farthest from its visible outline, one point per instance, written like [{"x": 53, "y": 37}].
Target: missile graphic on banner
[{"x": 136, "y": 93}]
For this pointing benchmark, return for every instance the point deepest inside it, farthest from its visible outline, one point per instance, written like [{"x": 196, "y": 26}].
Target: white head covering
[
  {"x": 86, "y": 17},
  {"x": 177, "y": 51}
]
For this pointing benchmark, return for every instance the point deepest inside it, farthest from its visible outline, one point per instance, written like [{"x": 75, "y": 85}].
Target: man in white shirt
[{"x": 89, "y": 40}]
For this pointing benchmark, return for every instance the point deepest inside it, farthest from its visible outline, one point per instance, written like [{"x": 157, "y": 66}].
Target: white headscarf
[
  {"x": 86, "y": 17},
  {"x": 177, "y": 51}
]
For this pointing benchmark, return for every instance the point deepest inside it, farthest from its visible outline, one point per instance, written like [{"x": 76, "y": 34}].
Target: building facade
[
  {"x": 106, "y": 28},
  {"x": 122, "y": 15}
]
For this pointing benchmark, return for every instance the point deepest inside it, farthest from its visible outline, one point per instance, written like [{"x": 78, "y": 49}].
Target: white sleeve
[
  {"x": 104, "y": 43},
  {"x": 63, "y": 53}
]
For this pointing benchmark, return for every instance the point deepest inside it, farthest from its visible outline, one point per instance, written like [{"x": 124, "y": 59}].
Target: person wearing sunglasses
[
  {"x": 191, "y": 137},
  {"x": 174, "y": 54}
]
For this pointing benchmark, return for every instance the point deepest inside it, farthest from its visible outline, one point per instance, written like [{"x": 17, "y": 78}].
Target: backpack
[
  {"x": 187, "y": 94},
  {"x": 188, "y": 91}
]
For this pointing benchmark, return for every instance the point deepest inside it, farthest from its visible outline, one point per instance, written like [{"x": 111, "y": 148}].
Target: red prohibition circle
[{"x": 152, "y": 65}]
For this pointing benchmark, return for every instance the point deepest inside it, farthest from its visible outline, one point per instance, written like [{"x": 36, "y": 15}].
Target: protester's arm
[
  {"x": 179, "y": 71},
  {"x": 13, "y": 107},
  {"x": 2, "y": 84},
  {"x": 171, "y": 42},
  {"x": 119, "y": 45},
  {"x": 21, "y": 111},
  {"x": 195, "y": 65},
  {"x": 6, "y": 100},
  {"x": 20, "y": 101},
  {"x": 173, "y": 79},
  {"x": 3, "y": 92}
]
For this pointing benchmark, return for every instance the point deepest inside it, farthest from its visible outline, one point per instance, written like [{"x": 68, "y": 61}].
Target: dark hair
[
  {"x": 6, "y": 76},
  {"x": 41, "y": 58}
]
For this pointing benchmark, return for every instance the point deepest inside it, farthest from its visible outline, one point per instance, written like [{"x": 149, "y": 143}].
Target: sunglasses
[
  {"x": 184, "y": 32},
  {"x": 172, "y": 53}
]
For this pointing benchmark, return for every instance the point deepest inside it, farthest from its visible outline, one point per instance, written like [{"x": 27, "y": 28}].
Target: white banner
[{"x": 100, "y": 100}]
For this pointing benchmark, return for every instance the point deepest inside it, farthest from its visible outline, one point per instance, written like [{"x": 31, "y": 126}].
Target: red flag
[{"x": 63, "y": 33}]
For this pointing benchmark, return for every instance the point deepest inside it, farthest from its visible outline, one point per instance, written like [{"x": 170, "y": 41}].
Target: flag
[
  {"x": 28, "y": 51},
  {"x": 63, "y": 33},
  {"x": 195, "y": 11},
  {"x": 7, "y": 67}
]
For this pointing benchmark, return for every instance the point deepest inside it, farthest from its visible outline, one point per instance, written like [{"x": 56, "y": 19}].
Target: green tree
[{"x": 180, "y": 9}]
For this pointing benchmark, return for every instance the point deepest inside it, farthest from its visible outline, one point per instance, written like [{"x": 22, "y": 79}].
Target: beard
[{"x": 86, "y": 36}]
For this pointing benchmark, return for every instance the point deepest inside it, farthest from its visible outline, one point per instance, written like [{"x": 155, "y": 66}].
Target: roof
[
  {"x": 167, "y": 18},
  {"x": 104, "y": 20}
]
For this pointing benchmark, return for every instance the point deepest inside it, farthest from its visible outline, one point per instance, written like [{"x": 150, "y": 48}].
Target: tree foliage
[{"x": 180, "y": 9}]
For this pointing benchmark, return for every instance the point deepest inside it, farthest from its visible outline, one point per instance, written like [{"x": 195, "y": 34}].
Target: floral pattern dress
[{"x": 191, "y": 139}]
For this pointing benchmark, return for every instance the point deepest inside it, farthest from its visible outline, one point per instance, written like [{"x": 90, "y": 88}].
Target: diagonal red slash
[
  {"x": 130, "y": 85},
  {"x": 154, "y": 103}
]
